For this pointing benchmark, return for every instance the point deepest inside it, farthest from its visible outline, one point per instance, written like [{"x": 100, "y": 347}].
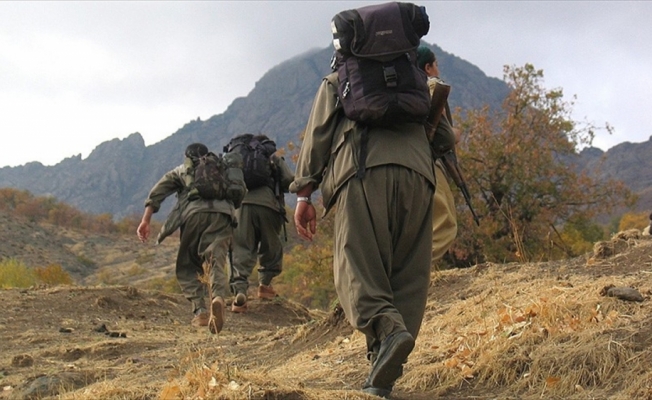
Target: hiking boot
[
  {"x": 388, "y": 367},
  {"x": 200, "y": 318},
  {"x": 216, "y": 320},
  {"x": 380, "y": 392},
  {"x": 239, "y": 304},
  {"x": 266, "y": 292}
]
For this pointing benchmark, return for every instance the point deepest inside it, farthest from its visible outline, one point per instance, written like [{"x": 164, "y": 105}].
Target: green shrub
[
  {"x": 14, "y": 273},
  {"x": 166, "y": 285}
]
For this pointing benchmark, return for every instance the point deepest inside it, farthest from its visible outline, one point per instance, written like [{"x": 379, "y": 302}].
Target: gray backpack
[
  {"x": 216, "y": 177},
  {"x": 375, "y": 60}
]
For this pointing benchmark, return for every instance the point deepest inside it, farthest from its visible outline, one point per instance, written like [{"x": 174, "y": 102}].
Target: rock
[
  {"x": 628, "y": 234},
  {"x": 21, "y": 361},
  {"x": 45, "y": 386},
  {"x": 622, "y": 293},
  {"x": 609, "y": 248}
]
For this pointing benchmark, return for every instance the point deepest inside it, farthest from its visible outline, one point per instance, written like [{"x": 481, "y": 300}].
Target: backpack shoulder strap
[
  {"x": 332, "y": 78},
  {"x": 449, "y": 116}
]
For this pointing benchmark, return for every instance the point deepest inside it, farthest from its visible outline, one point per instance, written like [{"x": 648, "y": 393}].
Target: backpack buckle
[
  {"x": 391, "y": 77},
  {"x": 347, "y": 89}
]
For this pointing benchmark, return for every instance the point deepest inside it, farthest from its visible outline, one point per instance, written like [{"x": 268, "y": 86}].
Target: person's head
[
  {"x": 196, "y": 150},
  {"x": 427, "y": 61}
]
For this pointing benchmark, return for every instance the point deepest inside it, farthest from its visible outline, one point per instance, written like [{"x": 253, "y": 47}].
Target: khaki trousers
[
  {"x": 257, "y": 239},
  {"x": 383, "y": 240},
  {"x": 205, "y": 237},
  {"x": 444, "y": 216}
]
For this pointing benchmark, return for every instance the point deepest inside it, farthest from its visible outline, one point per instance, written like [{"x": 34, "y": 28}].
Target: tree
[
  {"x": 634, "y": 221},
  {"x": 518, "y": 163}
]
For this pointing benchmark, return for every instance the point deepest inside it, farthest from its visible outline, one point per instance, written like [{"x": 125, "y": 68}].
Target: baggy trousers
[
  {"x": 383, "y": 241},
  {"x": 444, "y": 217},
  {"x": 205, "y": 237},
  {"x": 256, "y": 239}
]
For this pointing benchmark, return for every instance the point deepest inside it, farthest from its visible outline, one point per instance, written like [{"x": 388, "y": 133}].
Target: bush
[
  {"x": 166, "y": 285},
  {"x": 53, "y": 274},
  {"x": 106, "y": 276},
  {"x": 634, "y": 221},
  {"x": 14, "y": 273}
]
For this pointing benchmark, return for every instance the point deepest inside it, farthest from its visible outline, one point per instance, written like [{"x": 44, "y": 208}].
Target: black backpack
[
  {"x": 376, "y": 63},
  {"x": 256, "y": 152}
]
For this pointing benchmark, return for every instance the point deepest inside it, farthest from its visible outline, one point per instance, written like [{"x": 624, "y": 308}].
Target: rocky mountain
[
  {"x": 627, "y": 162},
  {"x": 116, "y": 177}
]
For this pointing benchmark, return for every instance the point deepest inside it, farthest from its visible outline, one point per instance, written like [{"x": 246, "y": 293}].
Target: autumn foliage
[
  {"x": 519, "y": 165},
  {"x": 50, "y": 210},
  {"x": 634, "y": 221},
  {"x": 14, "y": 273}
]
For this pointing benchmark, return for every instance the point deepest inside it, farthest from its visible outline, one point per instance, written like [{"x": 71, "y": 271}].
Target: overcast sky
[{"x": 76, "y": 74}]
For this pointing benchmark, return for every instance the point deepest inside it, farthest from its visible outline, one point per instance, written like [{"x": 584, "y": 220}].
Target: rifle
[
  {"x": 438, "y": 102},
  {"x": 449, "y": 161},
  {"x": 278, "y": 193},
  {"x": 230, "y": 255},
  {"x": 445, "y": 150}
]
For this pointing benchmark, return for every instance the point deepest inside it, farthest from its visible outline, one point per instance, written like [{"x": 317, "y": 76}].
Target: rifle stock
[{"x": 437, "y": 104}]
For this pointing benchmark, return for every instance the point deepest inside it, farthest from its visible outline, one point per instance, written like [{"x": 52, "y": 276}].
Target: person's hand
[
  {"x": 143, "y": 231},
  {"x": 305, "y": 219}
]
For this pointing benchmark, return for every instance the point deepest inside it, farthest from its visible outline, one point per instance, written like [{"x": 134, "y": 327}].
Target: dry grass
[
  {"x": 508, "y": 331},
  {"x": 512, "y": 331}
]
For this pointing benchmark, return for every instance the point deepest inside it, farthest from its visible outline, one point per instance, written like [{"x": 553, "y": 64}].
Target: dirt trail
[{"x": 130, "y": 337}]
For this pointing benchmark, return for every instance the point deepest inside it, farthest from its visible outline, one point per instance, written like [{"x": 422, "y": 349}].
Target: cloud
[{"x": 75, "y": 74}]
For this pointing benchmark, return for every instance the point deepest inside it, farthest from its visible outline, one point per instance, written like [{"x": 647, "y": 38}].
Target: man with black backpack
[
  {"x": 257, "y": 239},
  {"x": 208, "y": 187},
  {"x": 369, "y": 154}
]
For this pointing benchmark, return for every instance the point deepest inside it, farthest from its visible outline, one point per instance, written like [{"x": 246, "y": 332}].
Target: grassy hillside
[{"x": 544, "y": 330}]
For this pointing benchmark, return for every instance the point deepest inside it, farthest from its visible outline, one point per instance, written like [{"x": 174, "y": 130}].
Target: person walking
[
  {"x": 444, "y": 222},
  {"x": 206, "y": 229},
  {"x": 257, "y": 238},
  {"x": 381, "y": 180}
]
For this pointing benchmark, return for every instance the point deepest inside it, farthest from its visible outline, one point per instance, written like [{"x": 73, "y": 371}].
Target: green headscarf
[{"x": 424, "y": 56}]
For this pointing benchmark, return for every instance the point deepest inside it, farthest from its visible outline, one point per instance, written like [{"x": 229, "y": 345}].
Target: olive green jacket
[
  {"x": 329, "y": 154},
  {"x": 174, "y": 182},
  {"x": 265, "y": 195}
]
